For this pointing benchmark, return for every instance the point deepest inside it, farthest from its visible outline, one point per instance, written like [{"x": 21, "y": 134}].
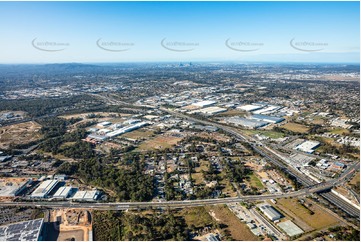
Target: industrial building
[
  {"x": 23, "y": 231},
  {"x": 63, "y": 192},
  {"x": 204, "y": 104},
  {"x": 250, "y": 107},
  {"x": 308, "y": 146},
  {"x": 44, "y": 189},
  {"x": 104, "y": 124},
  {"x": 86, "y": 195},
  {"x": 212, "y": 110},
  {"x": 249, "y": 123},
  {"x": 266, "y": 118},
  {"x": 267, "y": 110},
  {"x": 290, "y": 228},
  {"x": 126, "y": 129},
  {"x": 11, "y": 189},
  {"x": 270, "y": 212}
]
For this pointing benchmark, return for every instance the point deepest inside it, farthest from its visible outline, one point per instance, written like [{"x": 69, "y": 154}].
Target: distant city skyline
[{"x": 96, "y": 32}]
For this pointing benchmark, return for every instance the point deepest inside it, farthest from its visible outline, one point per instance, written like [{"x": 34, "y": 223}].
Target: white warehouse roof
[
  {"x": 44, "y": 188},
  {"x": 308, "y": 146},
  {"x": 204, "y": 103},
  {"x": 249, "y": 107}
]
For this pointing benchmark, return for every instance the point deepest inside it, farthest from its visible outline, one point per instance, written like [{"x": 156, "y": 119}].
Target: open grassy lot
[
  {"x": 22, "y": 133},
  {"x": 268, "y": 133},
  {"x": 318, "y": 120},
  {"x": 138, "y": 134},
  {"x": 238, "y": 230},
  {"x": 232, "y": 112},
  {"x": 299, "y": 128},
  {"x": 197, "y": 216},
  {"x": 320, "y": 218},
  {"x": 339, "y": 131},
  {"x": 254, "y": 181},
  {"x": 160, "y": 142}
]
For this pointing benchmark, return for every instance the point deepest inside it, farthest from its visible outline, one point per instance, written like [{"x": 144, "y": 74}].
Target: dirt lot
[
  {"x": 238, "y": 230},
  {"x": 299, "y": 128},
  {"x": 22, "y": 133},
  {"x": 75, "y": 224},
  {"x": 160, "y": 142},
  {"x": 320, "y": 218}
]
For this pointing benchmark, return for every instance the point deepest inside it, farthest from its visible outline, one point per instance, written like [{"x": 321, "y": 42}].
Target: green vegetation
[
  {"x": 255, "y": 181},
  {"x": 117, "y": 226},
  {"x": 345, "y": 233},
  {"x": 128, "y": 182}
]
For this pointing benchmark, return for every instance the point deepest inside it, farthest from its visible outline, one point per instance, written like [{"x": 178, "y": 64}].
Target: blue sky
[{"x": 260, "y": 31}]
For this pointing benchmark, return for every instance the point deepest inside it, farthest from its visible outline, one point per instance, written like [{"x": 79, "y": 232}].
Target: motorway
[{"x": 163, "y": 204}]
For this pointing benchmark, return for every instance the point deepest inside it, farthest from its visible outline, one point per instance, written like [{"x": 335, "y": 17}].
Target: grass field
[
  {"x": 320, "y": 218},
  {"x": 318, "y": 120},
  {"x": 22, "y": 133},
  {"x": 298, "y": 128},
  {"x": 160, "y": 142},
  {"x": 270, "y": 134},
  {"x": 232, "y": 112},
  {"x": 138, "y": 134},
  {"x": 238, "y": 230},
  {"x": 254, "y": 181},
  {"x": 339, "y": 131},
  {"x": 197, "y": 216}
]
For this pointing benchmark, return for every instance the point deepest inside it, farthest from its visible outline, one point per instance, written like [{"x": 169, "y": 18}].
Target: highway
[{"x": 163, "y": 204}]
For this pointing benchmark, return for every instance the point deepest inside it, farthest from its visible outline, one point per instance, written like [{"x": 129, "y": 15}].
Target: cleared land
[
  {"x": 270, "y": 134},
  {"x": 298, "y": 128},
  {"x": 339, "y": 131},
  {"x": 22, "y": 133},
  {"x": 356, "y": 179},
  {"x": 138, "y": 134},
  {"x": 237, "y": 229},
  {"x": 198, "y": 217},
  {"x": 254, "y": 181},
  {"x": 160, "y": 142},
  {"x": 320, "y": 219}
]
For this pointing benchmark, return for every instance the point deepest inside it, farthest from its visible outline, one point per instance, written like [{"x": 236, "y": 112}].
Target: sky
[{"x": 58, "y": 32}]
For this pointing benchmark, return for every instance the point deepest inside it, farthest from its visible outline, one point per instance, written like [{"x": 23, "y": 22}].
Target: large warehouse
[
  {"x": 308, "y": 146},
  {"x": 270, "y": 212},
  {"x": 44, "y": 189},
  {"x": 266, "y": 118},
  {"x": 22, "y": 231},
  {"x": 249, "y": 123}
]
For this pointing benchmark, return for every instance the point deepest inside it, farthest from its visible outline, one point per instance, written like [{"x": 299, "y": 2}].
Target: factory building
[
  {"x": 86, "y": 195},
  {"x": 270, "y": 212},
  {"x": 126, "y": 129},
  {"x": 204, "y": 104},
  {"x": 249, "y": 123},
  {"x": 104, "y": 124},
  {"x": 308, "y": 146},
  {"x": 63, "y": 192},
  {"x": 266, "y": 118},
  {"x": 44, "y": 189},
  {"x": 212, "y": 110},
  {"x": 250, "y": 107},
  {"x": 22, "y": 231}
]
